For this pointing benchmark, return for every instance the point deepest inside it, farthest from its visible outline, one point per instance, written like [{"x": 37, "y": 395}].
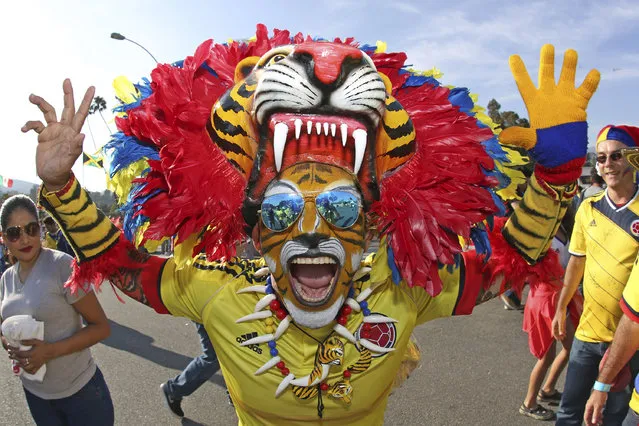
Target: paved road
[{"x": 474, "y": 371}]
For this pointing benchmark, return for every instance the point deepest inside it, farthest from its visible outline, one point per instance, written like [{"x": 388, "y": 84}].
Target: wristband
[{"x": 601, "y": 387}]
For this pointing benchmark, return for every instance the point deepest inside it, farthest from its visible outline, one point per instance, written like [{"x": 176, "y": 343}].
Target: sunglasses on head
[
  {"x": 13, "y": 233},
  {"x": 339, "y": 208},
  {"x": 615, "y": 156}
]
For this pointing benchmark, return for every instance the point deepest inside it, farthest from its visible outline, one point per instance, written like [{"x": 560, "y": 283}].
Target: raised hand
[
  {"x": 557, "y": 111},
  {"x": 59, "y": 142}
]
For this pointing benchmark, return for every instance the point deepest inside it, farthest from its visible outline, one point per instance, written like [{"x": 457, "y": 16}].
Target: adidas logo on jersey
[
  {"x": 593, "y": 223},
  {"x": 249, "y": 336}
]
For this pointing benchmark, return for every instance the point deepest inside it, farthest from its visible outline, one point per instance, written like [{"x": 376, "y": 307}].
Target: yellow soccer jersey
[
  {"x": 207, "y": 292},
  {"x": 630, "y": 307},
  {"x": 608, "y": 236}
]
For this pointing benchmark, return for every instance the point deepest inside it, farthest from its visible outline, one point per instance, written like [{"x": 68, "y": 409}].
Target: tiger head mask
[{"x": 314, "y": 101}]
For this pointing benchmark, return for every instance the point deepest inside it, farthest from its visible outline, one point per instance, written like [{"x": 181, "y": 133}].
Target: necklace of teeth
[{"x": 357, "y": 304}]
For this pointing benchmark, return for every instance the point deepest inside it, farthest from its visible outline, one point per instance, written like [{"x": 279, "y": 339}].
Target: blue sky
[{"x": 470, "y": 41}]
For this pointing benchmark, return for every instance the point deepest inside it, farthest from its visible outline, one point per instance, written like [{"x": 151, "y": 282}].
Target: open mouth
[
  {"x": 312, "y": 135},
  {"x": 313, "y": 278}
]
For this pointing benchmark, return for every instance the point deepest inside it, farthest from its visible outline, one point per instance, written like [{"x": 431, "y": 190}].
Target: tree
[
  {"x": 505, "y": 119},
  {"x": 99, "y": 105}
]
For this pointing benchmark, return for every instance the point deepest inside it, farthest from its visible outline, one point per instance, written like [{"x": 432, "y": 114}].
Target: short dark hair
[{"x": 14, "y": 203}]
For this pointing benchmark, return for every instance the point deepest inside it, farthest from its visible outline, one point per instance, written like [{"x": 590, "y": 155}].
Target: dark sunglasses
[
  {"x": 13, "y": 233},
  {"x": 615, "y": 156},
  {"x": 339, "y": 208}
]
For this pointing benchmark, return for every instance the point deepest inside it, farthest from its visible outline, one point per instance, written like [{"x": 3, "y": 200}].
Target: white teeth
[
  {"x": 343, "y": 129},
  {"x": 360, "y": 137},
  {"x": 314, "y": 260},
  {"x": 279, "y": 141},
  {"x": 298, "y": 128},
  {"x": 280, "y": 136}
]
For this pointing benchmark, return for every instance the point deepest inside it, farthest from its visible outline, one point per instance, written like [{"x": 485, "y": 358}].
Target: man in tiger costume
[{"x": 313, "y": 148}]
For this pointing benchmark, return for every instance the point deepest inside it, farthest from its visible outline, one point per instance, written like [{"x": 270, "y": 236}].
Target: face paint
[{"x": 312, "y": 231}]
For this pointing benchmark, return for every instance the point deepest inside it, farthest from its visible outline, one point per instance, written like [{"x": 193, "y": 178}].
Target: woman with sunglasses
[{"x": 73, "y": 391}]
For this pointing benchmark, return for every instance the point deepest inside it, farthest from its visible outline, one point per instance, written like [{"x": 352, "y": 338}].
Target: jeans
[
  {"x": 632, "y": 419},
  {"x": 583, "y": 369},
  {"x": 90, "y": 405},
  {"x": 197, "y": 372}
]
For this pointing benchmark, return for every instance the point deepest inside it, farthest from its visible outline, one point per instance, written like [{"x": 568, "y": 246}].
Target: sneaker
[
  {"x": 537, "y": 413},
  {"x": 175, "y": 405}
]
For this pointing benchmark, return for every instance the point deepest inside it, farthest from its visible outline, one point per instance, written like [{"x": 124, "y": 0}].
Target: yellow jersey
[
  {"x": 207, "y": 292},
  {"x": 608, "y": 235},
  {"x": 630, "y": 306}
]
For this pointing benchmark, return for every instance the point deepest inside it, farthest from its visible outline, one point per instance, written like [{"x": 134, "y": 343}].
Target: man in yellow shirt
[
  {"x": 625, "y": 342},
  {"x": 603, "y": 246},
  {"x": 311, "y": 332}
]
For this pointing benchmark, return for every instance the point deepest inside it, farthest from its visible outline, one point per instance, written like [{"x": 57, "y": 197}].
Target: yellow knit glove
[{"x": 552, "y": 104}]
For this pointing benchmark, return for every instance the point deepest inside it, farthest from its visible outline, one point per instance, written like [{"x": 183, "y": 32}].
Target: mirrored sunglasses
[
  {"x": 13, "y": 233},
  {"x": 338, "y": 208}
]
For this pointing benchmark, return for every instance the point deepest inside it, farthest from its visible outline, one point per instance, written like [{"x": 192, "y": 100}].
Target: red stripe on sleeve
[
  {"x": 630, "y": 313},
  {"x": 150, "y": 280},
  {"x": 470, "y": 283}
]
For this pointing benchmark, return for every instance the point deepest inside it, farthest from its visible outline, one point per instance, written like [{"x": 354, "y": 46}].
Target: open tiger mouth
[
  {"x": 310, "y": 134},
  {"x": 313, "y": 278}
]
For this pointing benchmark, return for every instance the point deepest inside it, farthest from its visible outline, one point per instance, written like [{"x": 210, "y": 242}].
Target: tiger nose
[{"x": 328, "y": 58}]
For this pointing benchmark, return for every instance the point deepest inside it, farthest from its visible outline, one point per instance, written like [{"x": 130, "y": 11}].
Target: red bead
[
  {"x": 365, "y": 334},
  {"x": 342, "y": 320},
  {"x": 324, "y": 387},
  {"x": 366, "y": 327},
  {"x": 346, "y": 310},
  {"x": 281, "y": 314},
  {"x": 285, "y": 371},
  {"x": 275, "y": 305},
  {"x": 280, "y": 365},
  {"x": 347, "y": 374}
]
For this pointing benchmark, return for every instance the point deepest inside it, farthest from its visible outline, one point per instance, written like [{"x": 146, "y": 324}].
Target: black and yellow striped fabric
[
  {"x": 89, "y": 232},
  {"x": 609, "y": 238},
  {"x": 534, "y": 223},
  {"x": 231, "y": 125}
]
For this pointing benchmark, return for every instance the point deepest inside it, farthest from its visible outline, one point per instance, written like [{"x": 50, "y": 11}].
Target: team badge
[
  {"x": 634, "y": 228},
  {"x": 382, "y": 334}
]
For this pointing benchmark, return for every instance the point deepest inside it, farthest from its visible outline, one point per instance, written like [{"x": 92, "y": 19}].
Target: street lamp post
[{"x": 118, "y": 36}]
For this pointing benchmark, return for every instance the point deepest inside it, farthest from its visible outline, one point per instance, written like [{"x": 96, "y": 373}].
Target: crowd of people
[{"x": 591, "y": 312}]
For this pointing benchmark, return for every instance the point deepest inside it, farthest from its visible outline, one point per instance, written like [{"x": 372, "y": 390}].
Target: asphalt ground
[{"x": 474, "y": 371}]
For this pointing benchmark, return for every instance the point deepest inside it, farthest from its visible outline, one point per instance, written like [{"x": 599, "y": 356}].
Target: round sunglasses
[
  {"x": 614, "y": 156},
  {"x": 13, "y": 233},
  {"x": 338, "y": 208}
]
